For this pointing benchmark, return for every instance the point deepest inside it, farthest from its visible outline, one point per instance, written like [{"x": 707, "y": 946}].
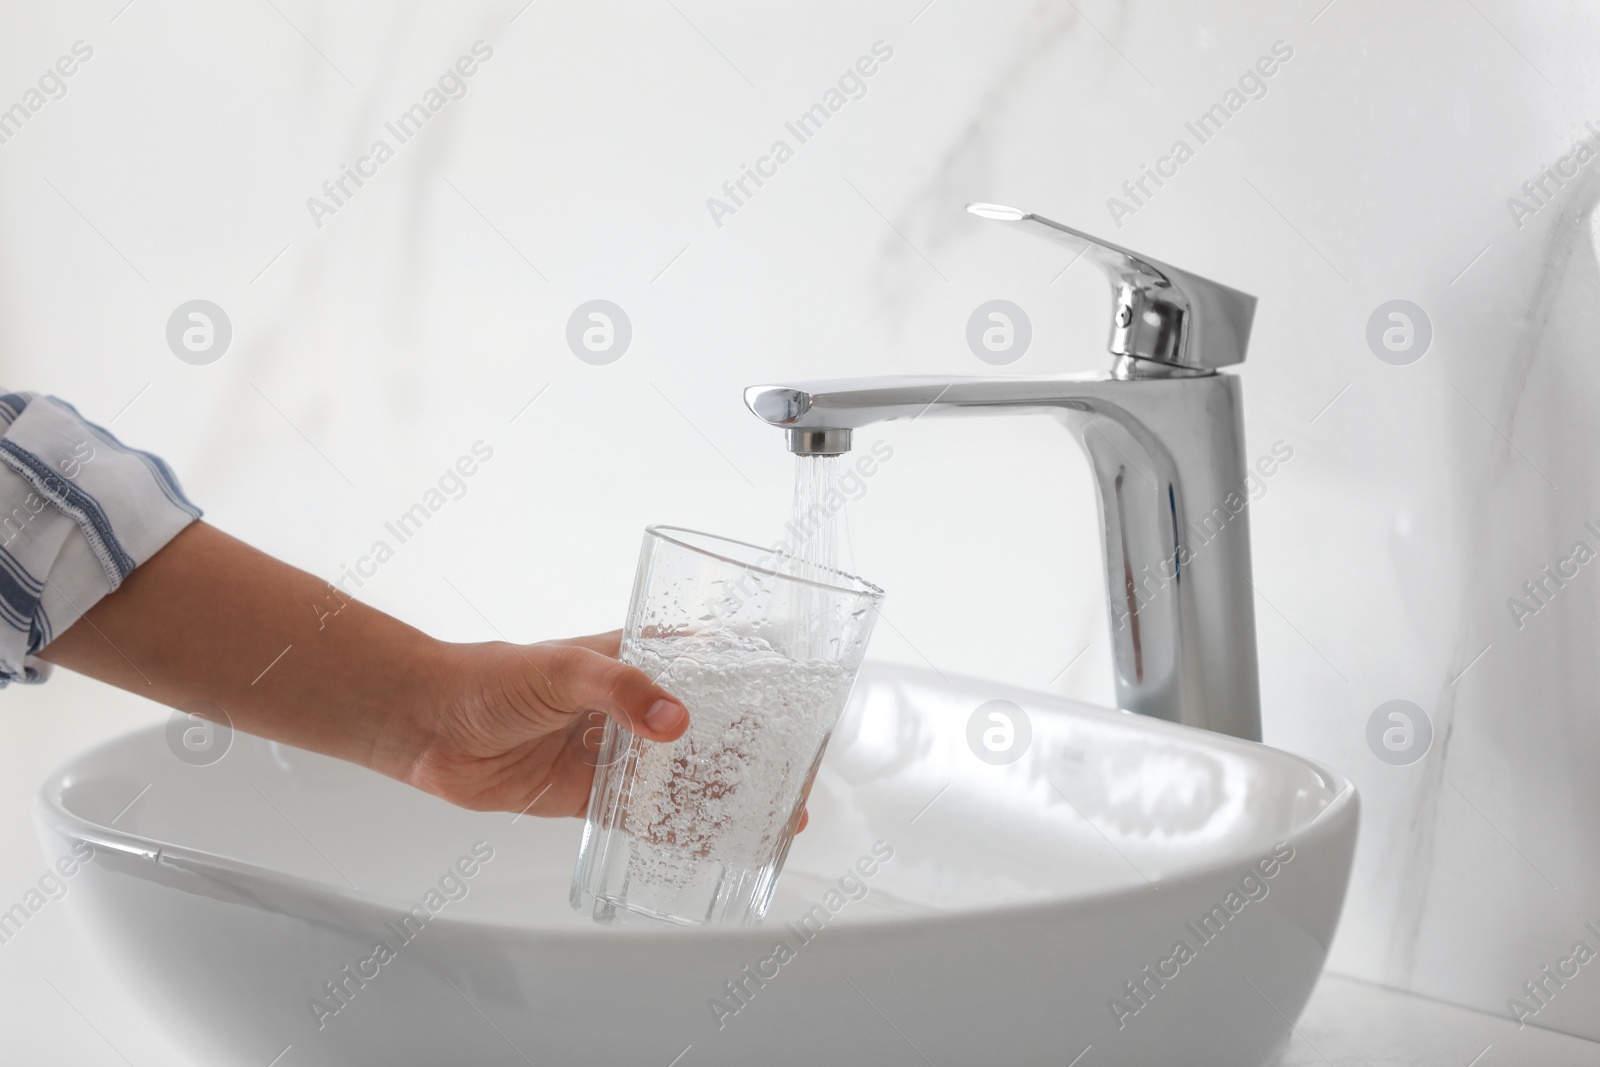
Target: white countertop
[{"x": 1350, "y": 1023}]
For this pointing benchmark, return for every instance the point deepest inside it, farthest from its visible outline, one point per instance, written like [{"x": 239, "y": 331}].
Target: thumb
[{"x": 581, "y": 679}]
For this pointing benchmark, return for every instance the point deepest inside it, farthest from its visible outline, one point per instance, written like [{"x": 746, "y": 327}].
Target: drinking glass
[{"x": 762, "y": 648}]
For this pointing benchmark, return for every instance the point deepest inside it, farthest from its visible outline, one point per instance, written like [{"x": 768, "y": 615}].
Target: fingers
[{"x": 580, "y": 678}]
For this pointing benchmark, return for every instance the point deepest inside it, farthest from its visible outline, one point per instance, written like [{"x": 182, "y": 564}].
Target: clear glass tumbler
[{"x": 762, "y": 648}]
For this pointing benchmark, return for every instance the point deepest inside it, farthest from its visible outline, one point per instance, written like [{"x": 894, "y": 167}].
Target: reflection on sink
[{"x": 939, "y": 910}]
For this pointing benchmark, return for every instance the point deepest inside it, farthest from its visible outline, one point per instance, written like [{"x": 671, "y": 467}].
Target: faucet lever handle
[{"x": 1163, "y": 313}]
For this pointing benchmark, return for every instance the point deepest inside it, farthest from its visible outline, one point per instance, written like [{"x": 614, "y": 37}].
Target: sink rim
[{"x": 1343, "y": 808}]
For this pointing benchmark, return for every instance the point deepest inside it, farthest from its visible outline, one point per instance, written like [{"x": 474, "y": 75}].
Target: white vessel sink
[{"x": 1018, "y": 904}]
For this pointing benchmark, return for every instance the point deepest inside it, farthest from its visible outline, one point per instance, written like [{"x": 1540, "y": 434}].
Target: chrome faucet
[{"x": 1165, "y": 436}]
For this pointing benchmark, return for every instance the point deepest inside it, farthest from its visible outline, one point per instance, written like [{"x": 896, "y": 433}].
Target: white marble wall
[{"x": 429, "y": 310}]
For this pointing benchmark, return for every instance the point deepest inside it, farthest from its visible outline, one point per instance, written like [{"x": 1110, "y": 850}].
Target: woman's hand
[
  {"x": 208, "y": 620},
  {"x": 524, "y": 735},
  {"x": 523, "y": 731}
]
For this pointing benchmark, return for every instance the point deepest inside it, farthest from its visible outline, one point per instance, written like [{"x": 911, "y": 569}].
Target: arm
[{"x": 491, "y": 726}]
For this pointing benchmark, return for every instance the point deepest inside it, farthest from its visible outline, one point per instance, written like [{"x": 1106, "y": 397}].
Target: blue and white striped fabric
[{"x": 79, "y": 510}]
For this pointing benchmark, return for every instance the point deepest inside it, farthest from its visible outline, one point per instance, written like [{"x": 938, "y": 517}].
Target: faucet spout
[{"x": 1167, "y": 457}]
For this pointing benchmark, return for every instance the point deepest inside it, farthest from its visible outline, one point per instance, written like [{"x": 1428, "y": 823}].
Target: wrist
[{"x": 436, "y": 678}]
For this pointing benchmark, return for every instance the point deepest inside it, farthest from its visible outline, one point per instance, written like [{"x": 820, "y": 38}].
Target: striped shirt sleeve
[{"x": 79, "y": 510}]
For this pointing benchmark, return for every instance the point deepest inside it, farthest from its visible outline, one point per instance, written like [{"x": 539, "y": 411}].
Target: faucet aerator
[{"x": 804, "y": 442}]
